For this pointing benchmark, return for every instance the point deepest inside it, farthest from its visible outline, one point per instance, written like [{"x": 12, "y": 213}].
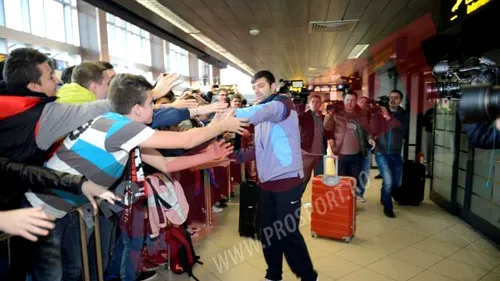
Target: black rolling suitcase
[
  {"x": 249, "y": 209},
  {"x": 412, "y": 188}
]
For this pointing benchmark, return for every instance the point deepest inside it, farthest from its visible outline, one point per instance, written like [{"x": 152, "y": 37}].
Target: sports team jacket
[{"x": 277, "y": 143}]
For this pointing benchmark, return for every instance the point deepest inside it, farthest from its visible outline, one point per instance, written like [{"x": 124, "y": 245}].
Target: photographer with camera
[
  {"x": 348, "y": 132},
  {"x": 391, "y": 129}
]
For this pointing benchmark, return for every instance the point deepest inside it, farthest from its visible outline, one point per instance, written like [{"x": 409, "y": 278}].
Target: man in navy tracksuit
[{"x": 279, "y": 165}]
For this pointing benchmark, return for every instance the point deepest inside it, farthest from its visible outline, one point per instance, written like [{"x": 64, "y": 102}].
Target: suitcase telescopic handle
[{"x": 331, "y": 180}]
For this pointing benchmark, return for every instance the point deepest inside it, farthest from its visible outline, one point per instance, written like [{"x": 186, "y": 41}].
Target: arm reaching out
[
  {"x": 215, "y": 151},
  {"x": 274, "y": 111},
  {"x": 194, "y": 137}
]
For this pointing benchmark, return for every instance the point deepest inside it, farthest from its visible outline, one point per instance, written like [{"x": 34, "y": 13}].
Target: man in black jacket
[{"x": 391, "y": 129}]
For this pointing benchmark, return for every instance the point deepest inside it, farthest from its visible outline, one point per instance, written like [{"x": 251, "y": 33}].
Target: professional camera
[
  {"x": 374, "y": 107},
  {"x": 335, "y": 106},
  {"x": 475, "y": 85}
]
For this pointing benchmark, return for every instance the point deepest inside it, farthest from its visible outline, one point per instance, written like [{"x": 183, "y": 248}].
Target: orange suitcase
[{"x": 333, "y": 206}]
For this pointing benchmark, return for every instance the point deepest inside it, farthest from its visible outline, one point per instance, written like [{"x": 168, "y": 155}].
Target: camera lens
[{"x": 480, "y": 103}]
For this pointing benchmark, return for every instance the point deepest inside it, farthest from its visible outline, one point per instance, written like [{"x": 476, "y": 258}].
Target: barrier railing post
[
  {"x": 83, "y": 242},
  {"x": 229, "y": 183},
  {"x": 208, "y": 197}
]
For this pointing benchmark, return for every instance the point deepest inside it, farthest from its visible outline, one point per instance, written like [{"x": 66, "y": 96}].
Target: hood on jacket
[
  {"x": 16, "y": 99},
  {"x": 74, "y": 93}
]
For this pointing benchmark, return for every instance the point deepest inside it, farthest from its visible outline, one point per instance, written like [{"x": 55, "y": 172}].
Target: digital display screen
[
  {"x": 457, "y": 10},
  {"x": 297, "y": 84}
]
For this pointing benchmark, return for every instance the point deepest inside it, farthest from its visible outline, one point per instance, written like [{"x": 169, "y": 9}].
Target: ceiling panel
[
  {"x": 284, "y": 44},
  {"x": 360, "y": 10}
]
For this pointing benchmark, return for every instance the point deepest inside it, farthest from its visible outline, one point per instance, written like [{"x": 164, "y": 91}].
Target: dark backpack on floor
[{"x": 182, "y": 255}]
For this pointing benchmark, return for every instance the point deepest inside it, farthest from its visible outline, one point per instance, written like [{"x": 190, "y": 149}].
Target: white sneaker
[
  {"x": 216, "y": 209},
  {"x": 362, "y": 199}
]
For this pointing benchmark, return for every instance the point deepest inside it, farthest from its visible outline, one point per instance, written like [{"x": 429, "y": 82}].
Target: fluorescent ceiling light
[
  {"x": 168, "y": 15},
  {"x": 357, "y": 51},
  {"x": 171, "y": 17}
]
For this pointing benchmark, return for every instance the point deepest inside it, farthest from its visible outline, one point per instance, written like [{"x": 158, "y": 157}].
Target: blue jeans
[
  {"x": 49, "y": 255},
  {"x": 364, "y": 178},
  {"x": 391, "y": 170},
  {"x": 350, "y": 166},
  {"x": 126, "y": 257}
]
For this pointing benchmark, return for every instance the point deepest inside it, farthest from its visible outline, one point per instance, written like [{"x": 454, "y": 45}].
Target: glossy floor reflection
[{"x": 423, "y": 243}]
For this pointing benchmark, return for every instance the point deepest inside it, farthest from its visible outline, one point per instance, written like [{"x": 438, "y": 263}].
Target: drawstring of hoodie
[{"x": 490, "y": 174}]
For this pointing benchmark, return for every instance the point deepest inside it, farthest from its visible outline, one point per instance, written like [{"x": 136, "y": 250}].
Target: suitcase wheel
[
  {"x": 347, "y": 239},
  {"x": 313, "y": 234}
]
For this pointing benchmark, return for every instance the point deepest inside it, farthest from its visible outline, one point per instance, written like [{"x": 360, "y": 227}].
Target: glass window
[
  {"x": 53, "y": 19},
  {"x": 125, "y": 39},
  {"x": 37, "y": 18},
  {"x": 13, "y": 14},
  {"x": 179, "y": 61}
]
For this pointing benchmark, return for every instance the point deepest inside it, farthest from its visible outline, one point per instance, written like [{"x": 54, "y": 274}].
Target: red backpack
[{"x": 182, "y": 255}]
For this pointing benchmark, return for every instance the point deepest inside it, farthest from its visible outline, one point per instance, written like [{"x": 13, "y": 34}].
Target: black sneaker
[
  {"x": 378, "y": 176},
  {"x": 389, "y": 213},
  {"x": 146, "y": 276}
]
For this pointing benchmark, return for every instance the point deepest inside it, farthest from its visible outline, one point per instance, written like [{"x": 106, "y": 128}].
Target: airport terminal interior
[{"x": 370, "y": 153}]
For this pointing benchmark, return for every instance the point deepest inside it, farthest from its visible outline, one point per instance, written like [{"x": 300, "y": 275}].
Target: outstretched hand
[
  {"x": 219, "y": 149},
  {"x": 165, "y": 83},
  {"x": 27, "y": 223},
  {"x": 180, "y": 103},
  {"x": 235, "y": 125},
  {"x": 218, "y": 106}
]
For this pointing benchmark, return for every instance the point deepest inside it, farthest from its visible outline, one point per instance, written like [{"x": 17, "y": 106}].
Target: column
[
  {"x": 103, "y": 35},
  {"x": 216, "y": 75},
  {"x": 194, "y": 75},
  {"x": 87, "y": 25},
  {"x": 157, "y": 56}
]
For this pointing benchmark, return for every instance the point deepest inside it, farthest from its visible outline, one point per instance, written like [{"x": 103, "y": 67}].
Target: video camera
[
  {"x": 335, "y": 106},
  {"x": 374, "y": 107},
  {"x": 475, "y": 86}
]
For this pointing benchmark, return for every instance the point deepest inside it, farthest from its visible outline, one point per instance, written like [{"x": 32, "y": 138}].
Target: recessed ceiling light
[{"x": 254, "y": 31}]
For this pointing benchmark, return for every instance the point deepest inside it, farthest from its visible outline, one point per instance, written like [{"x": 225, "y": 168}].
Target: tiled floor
[{"x": 422, "y": 244}]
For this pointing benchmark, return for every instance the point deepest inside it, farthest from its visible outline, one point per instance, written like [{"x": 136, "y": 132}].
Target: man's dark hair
[
  {"x": 66, "y": 74},
  {"x": 88, "y": 72},
  {"x": 350, "y": 92},
  {"x": 1, "y": 69},
  {"x": 170, "y": 95},
  {"x": 127, "y": 90},
  {"x": 299, "y": 100},
  {"x": 22, "y": 67},
  {"x": 107, "y": 65},
  {"x": 264, "y": 74},
  {"x": 398, "y": 92}
]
